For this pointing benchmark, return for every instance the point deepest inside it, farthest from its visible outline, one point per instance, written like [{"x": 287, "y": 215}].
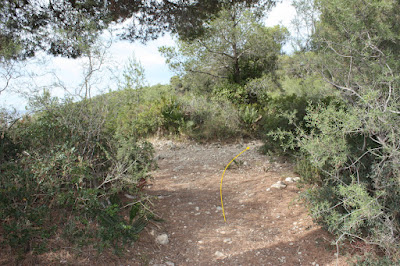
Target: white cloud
[
  {"x": 148, "y": 55},
  {"x": 281, "y": 14}
]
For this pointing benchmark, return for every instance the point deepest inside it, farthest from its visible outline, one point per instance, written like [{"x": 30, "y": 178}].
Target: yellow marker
[{"x": 220, "y": 188}]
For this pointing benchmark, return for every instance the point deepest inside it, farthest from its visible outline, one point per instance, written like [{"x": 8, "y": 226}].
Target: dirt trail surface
[{"x": 265, "y": 226}]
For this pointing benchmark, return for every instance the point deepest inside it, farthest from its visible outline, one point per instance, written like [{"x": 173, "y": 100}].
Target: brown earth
[{"x": 264, "y": 226}]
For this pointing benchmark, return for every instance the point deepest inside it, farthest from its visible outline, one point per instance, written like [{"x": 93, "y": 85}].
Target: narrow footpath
[{"x": 264, "y": 225}]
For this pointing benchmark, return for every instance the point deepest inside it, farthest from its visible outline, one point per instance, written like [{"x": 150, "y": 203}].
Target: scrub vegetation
[{"x": 75, "y": 168}]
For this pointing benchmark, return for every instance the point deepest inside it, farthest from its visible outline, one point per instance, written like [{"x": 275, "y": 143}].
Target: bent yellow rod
[{"x": 220, "y": 187}]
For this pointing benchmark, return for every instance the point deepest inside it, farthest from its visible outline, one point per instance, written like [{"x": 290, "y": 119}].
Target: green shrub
[
  {"x": 172, "y": 114},
  {"x": 210, "y": 119},
  {"x": 143, "y": 112},
  {"x": 281, "y": 119},
  {"x": 70, "y": 164},
  {"x": 308, "y": 172},
  {"x": 249, "y": 116},
  {"x": 261, "y": 90},
  {"x": 369, "y": 260},
  {"x": 139, "y": 121},
  {"x": 232, "y": 92},
  {"x": 357, "y": 188}
]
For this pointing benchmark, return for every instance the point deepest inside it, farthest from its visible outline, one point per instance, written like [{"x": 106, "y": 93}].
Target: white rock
[
  {"x": 289, "y": 180},
  {"x": 296, "y": 179},
  {"x": 268, "y": 189},
  {"x": 197, "y": 209},
  {"x": 279, "y": 185},
  {"x": 162, "y": 239},
  {"x": 228, "y": 240},
  {"x": 219, "y": 254},
  {"x": 168, "y": 263}
]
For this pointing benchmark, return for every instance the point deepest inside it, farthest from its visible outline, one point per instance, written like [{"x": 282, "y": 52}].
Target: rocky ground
[{"x": 266, "y": 223}]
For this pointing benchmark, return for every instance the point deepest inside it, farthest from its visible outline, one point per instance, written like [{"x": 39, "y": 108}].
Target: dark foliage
[{"x": 66, "y": 27}]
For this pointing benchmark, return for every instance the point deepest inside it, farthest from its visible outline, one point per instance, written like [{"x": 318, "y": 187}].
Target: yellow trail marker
[{"x": 220, "y": 187}]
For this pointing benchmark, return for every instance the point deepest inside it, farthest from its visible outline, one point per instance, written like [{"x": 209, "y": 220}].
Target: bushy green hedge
[
  {"x": 358, "y": 187},
  {"x": 66, "y": 173},
  {"x": 282, "y": 117},
  {"x": 355, "y": 187},
  {"x": 210, "y": 119}
]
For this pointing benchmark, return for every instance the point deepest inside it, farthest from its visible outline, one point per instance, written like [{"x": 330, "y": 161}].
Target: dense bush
[
  {"x": 282, "y": 117},
  {"x": 358, "y": 189},
  {"x": 67, "y": 171},
  {"x": 172, "y": 115},
  {"x": 208, "y": 119},
  {"x": 354, "y": 145}
]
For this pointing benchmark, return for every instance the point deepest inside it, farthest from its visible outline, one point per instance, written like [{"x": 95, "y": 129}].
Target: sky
[{"x": 69, "y": 71}]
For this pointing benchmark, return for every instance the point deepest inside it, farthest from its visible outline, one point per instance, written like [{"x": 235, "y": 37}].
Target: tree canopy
[
  {"x": 235, "y": 46},
  {"x": 65, "y": 27}
]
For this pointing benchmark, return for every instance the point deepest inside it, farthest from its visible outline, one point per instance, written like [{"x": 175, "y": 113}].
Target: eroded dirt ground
[{"x": 264, "y": 226}]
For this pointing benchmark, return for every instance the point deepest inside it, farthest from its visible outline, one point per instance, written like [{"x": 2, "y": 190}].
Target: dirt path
[{"x": 265, "y": 226}]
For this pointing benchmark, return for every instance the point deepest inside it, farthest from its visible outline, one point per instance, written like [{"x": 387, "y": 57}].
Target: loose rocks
[
  {"x": 279, "y": 185},
  {"x": 219, "y": 254},
  {"x": 228, "y": 240},
  {"x": 162, "y": 239},
  {"x": 289, "y": 180},
  {"x": 292, "y": 179}
]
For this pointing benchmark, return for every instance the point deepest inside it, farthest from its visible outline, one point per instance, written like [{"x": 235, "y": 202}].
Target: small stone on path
[
  {"x": 219, "y": 254},
  {"x": 228, "y": 240},
  {"x": 289, "y": 180},
  {"x": 162, "y": 239},
  {"x": 279, "y": 185}
]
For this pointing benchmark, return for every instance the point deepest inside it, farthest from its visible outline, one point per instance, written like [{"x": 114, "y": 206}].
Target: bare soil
[{"x": 264, "y": 226}]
